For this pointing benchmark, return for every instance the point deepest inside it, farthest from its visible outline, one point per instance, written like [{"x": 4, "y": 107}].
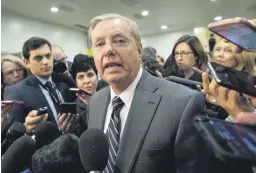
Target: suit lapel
[
  {"x": 140, "y": 116},
  {"x": 33, "y": 82},
  {"x": 99, "y": 109}
]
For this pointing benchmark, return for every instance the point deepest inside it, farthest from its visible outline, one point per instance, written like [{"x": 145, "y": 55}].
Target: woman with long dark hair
[{"x": 187, "y": 52}]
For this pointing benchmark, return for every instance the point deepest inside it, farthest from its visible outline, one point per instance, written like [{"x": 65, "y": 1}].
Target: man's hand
[
  {"x": 4, "y": 113},
  {"x": 246, "y": 118},
  {"x": 67, "y": 122},
  {"x": 32, "y": 120},
  {"x": 229, "y": 99}
]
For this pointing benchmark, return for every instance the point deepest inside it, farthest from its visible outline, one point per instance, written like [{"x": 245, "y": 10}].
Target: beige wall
[{"x": 203, "y": 35}]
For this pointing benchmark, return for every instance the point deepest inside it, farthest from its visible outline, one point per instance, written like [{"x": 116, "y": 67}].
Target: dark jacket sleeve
[
  {"x": 189, "y": 155},
  {"x": 82, "y": 125}
]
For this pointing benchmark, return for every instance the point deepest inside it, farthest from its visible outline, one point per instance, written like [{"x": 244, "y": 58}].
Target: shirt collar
[
  {"x": 43, "y": 80},
  {"x": 127, "y": 95}
]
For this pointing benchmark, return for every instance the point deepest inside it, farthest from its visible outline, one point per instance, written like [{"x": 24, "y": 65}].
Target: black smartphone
[
  {"x": 67, "y": 108},
  {"x": 238, "y": 31},
  {"x": 230, "y": 78},
  {"x": 229, "y": 141},
  {"x": 42, "y": 111},
  {"x": 79, "y": 91}
]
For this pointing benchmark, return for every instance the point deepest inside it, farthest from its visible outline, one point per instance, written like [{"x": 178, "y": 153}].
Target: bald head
[{"x": 58, "y": 53}]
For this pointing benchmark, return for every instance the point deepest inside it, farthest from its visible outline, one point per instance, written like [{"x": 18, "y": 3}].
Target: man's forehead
[
  {"x": 40, "y": 51},
  {"x": 111, "y": 27}
]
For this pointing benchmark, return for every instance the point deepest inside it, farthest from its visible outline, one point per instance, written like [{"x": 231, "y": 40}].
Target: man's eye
[
  {"x": 119, "y": 41},
  {"x": 99, "y": 44},
  {"x": 38, "y": 58}
]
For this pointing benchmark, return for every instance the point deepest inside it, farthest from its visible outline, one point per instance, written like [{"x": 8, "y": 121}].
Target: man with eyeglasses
[{"x": 59, "y": 56}]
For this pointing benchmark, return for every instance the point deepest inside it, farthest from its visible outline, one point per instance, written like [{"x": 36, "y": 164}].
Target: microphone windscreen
[
  {"x": 14, "y": 132},
  {"x": 185, "y": 82},
  {"x": 18, "y": 156},
  {"x": 45, "y": 133},
  {"x": 94, "y": 150}
]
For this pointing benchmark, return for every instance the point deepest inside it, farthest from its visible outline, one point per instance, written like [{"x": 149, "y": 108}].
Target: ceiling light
[
  {"x": 214, "y": 0},
  {"x": 54, "y": 9},
  {"x": 144, "y": 13},
  {"x": 164, "y": 27},
  {"x": 218, "y": 18}
]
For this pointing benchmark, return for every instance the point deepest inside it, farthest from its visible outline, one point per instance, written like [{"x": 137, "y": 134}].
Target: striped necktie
[{"x": 113, "y": 134}]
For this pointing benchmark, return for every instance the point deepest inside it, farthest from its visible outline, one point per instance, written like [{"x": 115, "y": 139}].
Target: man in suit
[
  {"x": 148, "y": 120},
  {"x": 41, "y": 89}
]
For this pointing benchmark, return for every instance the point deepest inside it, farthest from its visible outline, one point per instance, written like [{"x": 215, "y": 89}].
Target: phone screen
[
  {"x": 228, "y": 77},
  {"x": 238, "y": 33},
  {"x": 68, "y": 108},
  {"x": 236, "y": 138}
]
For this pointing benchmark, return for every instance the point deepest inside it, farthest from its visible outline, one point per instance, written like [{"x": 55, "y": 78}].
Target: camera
[{"x": 59, "y": 67}]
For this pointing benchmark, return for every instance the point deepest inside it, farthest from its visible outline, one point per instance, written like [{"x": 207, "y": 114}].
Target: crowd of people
[{"x": 123, "y": 91}]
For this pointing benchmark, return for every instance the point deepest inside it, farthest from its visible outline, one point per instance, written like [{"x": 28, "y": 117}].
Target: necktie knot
[
  {"x": 117, "y": 103},
  {"x": 48, "y": 84}
]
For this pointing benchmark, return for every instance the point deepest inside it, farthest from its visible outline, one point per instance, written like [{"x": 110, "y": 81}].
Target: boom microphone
[{"x": 186, "y": 82}]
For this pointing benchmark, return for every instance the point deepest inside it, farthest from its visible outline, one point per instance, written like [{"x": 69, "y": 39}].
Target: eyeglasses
[
  {"x": 182, "y": 54},
  {"x": 11, "y": 72}
]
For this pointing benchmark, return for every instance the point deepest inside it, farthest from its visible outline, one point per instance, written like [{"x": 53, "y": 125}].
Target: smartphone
[
  {"x": 42, "y": 111},
  {"x": 67, "y": 108},
  {"x": 12, "y": 102},
  {"x": 229, "y": 141},
  {"x": 79, "y": 91},
  {"x": 230, "y": 78},
  {"x": 196, "y": 70},
  {"x": 238, "y": 31}
]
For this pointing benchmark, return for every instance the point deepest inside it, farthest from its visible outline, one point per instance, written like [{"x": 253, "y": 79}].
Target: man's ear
[
  {"x": 139, "y": 45},
  {"x": 26, "y": 62}
]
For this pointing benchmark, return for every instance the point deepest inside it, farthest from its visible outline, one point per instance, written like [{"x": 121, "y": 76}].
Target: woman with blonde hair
[
  {"x": 13, "y": 70},
  {"x": 246, "y": 62},
  {"x": 223, "y": 54}
]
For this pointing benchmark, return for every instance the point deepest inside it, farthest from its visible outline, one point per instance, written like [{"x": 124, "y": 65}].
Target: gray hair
[{"x": 134, "y": 27}]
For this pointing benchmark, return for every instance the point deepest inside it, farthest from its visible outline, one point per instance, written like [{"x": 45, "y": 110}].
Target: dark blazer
[
  {"x": 28, "y": 90},
  {"x": 159, "y": 136},
  {"x": 81, "y": 109}
]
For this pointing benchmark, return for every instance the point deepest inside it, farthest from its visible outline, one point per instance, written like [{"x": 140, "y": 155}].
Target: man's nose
[
  {"x": 45, "y": 60},
  {"x": 108, "y": 50},
  {"x": 15, "y": 74}
]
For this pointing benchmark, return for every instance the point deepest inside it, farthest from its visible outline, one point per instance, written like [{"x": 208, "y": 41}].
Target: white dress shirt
[
  {"x": 48, "y": 96},
  {"x": 126, "y": 96}
]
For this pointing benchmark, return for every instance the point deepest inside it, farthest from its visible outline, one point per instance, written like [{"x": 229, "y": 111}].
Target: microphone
[
  {"x": 61, "y": 155},
  {"x": 93, "y": 150},
  {"x": 186, "y": 82},
  {"x": 18, "y": 156},
  {"x": 45, "y": 133},
  {"x": 14, "y": 132}
]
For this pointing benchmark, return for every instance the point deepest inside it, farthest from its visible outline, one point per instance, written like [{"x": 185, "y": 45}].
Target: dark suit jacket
[
  {"x": 159, "y": 136},
  {"x": 28, "y": 90}
]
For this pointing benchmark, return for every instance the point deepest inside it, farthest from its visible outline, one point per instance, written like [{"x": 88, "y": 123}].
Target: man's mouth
[{"x": 112, "y": 65}]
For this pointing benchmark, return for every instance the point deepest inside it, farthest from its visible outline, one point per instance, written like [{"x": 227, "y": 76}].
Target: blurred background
[{"x": 162, "y": 22}]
